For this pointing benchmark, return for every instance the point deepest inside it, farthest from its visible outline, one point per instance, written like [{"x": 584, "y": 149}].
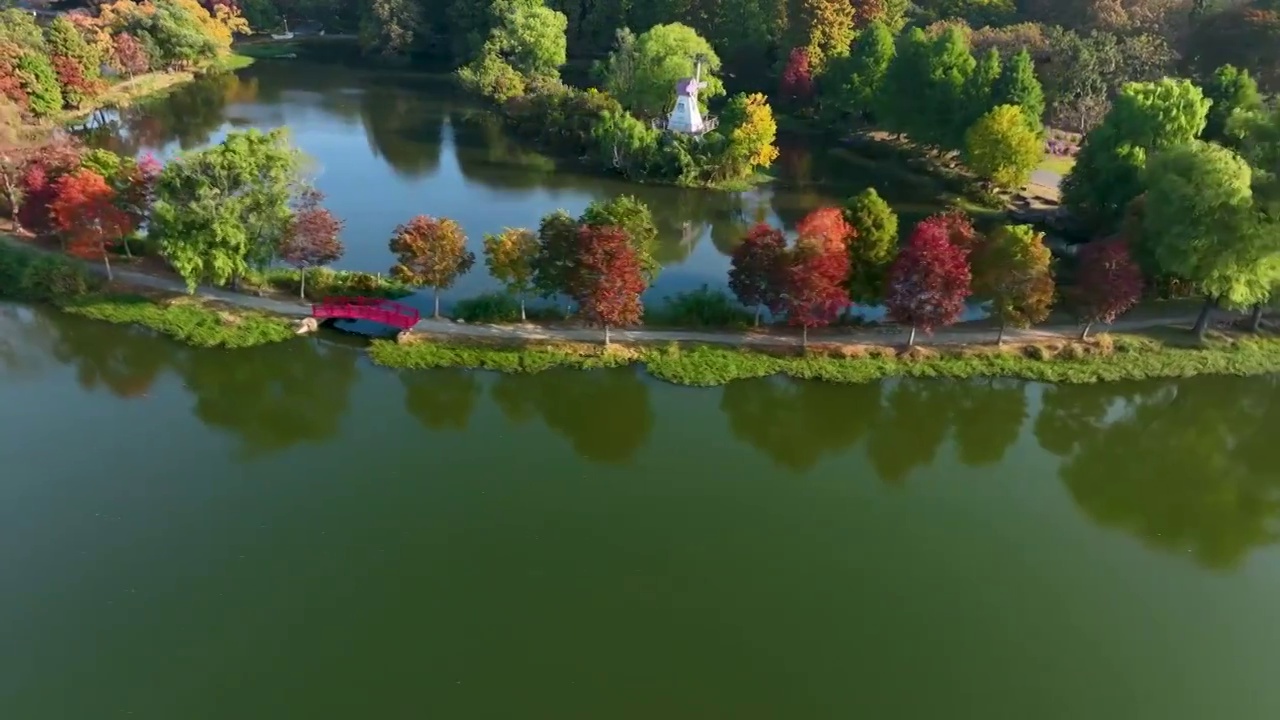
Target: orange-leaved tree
[
  {"x": 431, "y": 252},
  {"x": 85, "y": 212}
]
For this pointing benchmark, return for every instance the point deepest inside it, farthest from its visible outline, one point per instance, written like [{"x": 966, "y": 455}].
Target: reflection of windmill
[{"x": 686, "y": 117}]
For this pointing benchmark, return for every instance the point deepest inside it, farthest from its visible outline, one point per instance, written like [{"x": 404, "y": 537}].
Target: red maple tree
[
  {"x": 815, "y": 292},
  {"x": 928, "y": 281},
  {"x": 85, "y": 212},
  {"x": 957, "y": 227},
  {"x": 311, "y": 240},
  {"x": 610, "y": 278},
  {"x": 796, "y": 83},
  {"x": 76, "y": 87},
  {"x": 828, "y": 225},
  {"x": 138, "y": 187},
  {"x": 756, "y": 274},
  {"x": 128, "y": 55},
  {"x": 38, "y": 182},
  {"x": 1108, "y": 282}
]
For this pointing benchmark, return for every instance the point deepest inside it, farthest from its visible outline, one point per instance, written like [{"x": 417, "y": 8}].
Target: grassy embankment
[
  {"x": 30, "y": 276},
  {"x": 1167, "y": 354},
  {"x": 149, "y": 85}
]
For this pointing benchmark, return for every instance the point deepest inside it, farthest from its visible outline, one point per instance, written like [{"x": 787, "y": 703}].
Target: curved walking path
[{"x": 886, "y": 335}]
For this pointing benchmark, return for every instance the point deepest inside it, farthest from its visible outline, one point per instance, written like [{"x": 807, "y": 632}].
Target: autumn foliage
[
  {"x": 610, "y": 277},
  {"x": 38, "y": 183},
  {"x": 311, "y": 238},
  {"x": 929, "y": 280},
  {"x": 815, "y": 293},
  {"x": 1108, "y": 282},
  {"x": 827, "y": 225},
  {"x": 85, "y": 212},
  {"x": 796, "y": 83},
  {"x": 430, "y": 252},
  {"x": 128, "y": 56},
  {"x": 756, "y": 273}
]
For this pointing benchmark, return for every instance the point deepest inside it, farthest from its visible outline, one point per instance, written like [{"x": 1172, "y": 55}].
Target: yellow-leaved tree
[{"x": 748, "y": 122}]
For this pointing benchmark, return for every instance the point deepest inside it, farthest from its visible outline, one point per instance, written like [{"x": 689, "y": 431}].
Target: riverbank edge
[
  {"x": 229, "y": 320},
  {"x": 1105, "y": 358},
  {"x": 149, "y": 86}
]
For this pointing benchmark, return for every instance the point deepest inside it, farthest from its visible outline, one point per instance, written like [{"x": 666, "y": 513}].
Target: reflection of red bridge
[{"x": 378, "y": 310}]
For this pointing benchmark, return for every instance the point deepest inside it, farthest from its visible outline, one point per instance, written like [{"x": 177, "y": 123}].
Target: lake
[
  {"x": 291, "y": 532},
  {"x": 387, "y": 145}
]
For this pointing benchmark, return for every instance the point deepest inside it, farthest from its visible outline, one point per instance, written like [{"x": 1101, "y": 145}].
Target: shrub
[
  {"x": 40, "y": 82},
  {"x": 28, "y": 276},
  {"x": 488, "y": 308},
  {"x": 703, "y": 307}
]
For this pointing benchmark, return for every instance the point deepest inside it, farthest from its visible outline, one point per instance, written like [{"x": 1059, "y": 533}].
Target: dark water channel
[{"x": 289, "y": 532}]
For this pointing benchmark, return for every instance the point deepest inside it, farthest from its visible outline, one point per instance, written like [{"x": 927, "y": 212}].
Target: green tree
[
  {"x": 980, "y": 88},
  {"x": 527, "y": 37},
  {"x": 1230, "y": 89},
  {"x": 39, "y": 81},
  {"x": 509, "y": 256},
  {"x": 873, "y": 247},
  {"x": 924, "y": 92},
  {"x": 1003, "y": 147},
  {"x": 65, "y": 40},
  {"x": 1145, "y": 118},
  {"x": 554, "y": 265},
  {"x": 635, "y": 219},
  {"x": 852, "y": 84},
  {"x": 1200, "y": 224},
  {"x": 643, "y": 76},
  {"x": 1019, "y": 86},
  {"x": 224, "y": 209},
  {"x": 1011, "y": 269},
  {"x": 19, "y": 27}
]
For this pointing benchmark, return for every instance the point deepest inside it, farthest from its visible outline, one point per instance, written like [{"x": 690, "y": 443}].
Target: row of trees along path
[{"x": 888, "y": 335}]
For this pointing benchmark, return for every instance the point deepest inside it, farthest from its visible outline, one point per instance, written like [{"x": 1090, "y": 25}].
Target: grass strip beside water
[
  {"x": 1108, "y": 358},
  {"x": 185, "y": 320}
]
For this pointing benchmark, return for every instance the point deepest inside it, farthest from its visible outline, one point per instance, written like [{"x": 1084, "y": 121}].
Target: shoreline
[
  {"x": 1142, "y": 348},
  {"x": 148, "y": 86}
]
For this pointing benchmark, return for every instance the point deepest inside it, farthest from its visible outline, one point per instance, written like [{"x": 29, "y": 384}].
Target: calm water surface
[
  {"x": 290, "y": 532},
  {"x": 390, "y": 145}
]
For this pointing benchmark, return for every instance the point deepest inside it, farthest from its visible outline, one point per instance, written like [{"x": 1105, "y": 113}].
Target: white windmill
[{"x": 686, "y": 117}]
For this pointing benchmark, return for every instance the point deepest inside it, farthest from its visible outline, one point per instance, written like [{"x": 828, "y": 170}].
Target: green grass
[
  {"x": 266, "y": 50},
  {"x": 1060, "y": 164},
  {"x": 1112, "y": 358},
  {"x": 187, "y": 321},
  {"x": 235, "y": 61}
]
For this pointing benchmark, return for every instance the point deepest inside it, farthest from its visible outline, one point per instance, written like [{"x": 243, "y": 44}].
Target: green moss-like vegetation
[
  {"x": 187, "y": 321},
  {"x": 1122, "y": 357}
]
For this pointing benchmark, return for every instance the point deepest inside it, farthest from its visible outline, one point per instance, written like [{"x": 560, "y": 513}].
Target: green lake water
[{"x": 291, "y": 532}]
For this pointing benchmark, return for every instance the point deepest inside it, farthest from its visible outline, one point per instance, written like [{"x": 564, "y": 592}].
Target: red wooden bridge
[{"x": 387, "y": 312}]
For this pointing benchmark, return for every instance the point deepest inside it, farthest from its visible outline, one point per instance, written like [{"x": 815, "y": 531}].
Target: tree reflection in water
[
  {"x": 441, "y": 399},
  {"x": 1177, "y": 465},
  {"x": 604, "y": 414}
]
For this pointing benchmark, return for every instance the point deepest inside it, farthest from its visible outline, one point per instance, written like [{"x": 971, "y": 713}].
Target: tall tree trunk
[
  {"x": 128, "y": 252},
  {"x": 1202, "y": 322},
  {"x": 437, "y": 301},
  {"x": 1000, "y": 335},
  {"x": 106, "y": 260},
  {"x": 302, "y": 283},
  {"x": 1255, "y": 320},
  {"x": 911, "y": 339},
  {"x": 606, "y": 335},
  {"x": 522, "y": 316},
  {"x": 804, "y": 337},
  {"x": 757, "y": 315},
  {"x": 1084, "y": 334}
]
